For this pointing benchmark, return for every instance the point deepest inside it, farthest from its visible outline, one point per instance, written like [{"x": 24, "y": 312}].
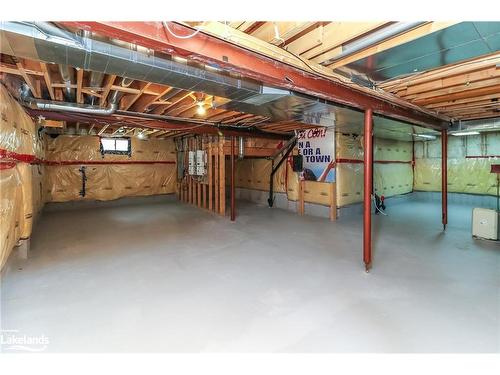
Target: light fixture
[
  {"x": 458, "y": 134},
  {"x": 201, "y": 109},
  {"x": 141, "y": 135},
  {"x": 425, "y": 136}
]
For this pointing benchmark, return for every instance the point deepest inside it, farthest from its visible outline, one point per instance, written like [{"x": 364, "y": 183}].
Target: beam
[
  {"x": 29, "y": 80},
  {"x": 79, "y": 84},
  {"x": 368, "y": 186},
  {"x": 127, "y": 119},
  {"x": 107, "y": 88},
  {"x": 233, "y": 179},
  {"x": 211, "y": 50},
  {"x": 48, "y": 80}
]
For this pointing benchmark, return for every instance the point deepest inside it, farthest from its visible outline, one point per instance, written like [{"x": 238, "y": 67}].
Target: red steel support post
[
  {"x": 233, "y": 172},
  {"x": 444, "y": 177},
  {"x": 368, "y": 184}
]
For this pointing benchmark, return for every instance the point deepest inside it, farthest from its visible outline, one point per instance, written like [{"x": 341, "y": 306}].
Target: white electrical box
[
  {"x": 485, "y": 223},
  {"x": 191, "y": 163},
  {"x": 200, "y": 162}
]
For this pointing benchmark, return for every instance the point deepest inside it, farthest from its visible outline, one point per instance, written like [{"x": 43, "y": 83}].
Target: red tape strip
[{"x": 13, "y": 157}]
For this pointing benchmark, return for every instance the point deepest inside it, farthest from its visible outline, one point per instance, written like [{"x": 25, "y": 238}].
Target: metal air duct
[{"x": 67, "y": 75}]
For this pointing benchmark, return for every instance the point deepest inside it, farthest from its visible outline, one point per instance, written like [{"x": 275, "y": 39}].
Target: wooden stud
[
  {"x": 333, "y": 201},
  {"x": 48, "y": 80},
  {"x": 216, "y": 171},
  {"x": 127, "y": 102},
  {"x": 198, "y": 194},
  {"x": 301, "y": 202},
  {"x": 29, "y": 80},
  {"x": 79, "y": 83},
  {"x": 210, "y": 177},
  {"x": 110, "y": 79},
  {"x": 222, "y": 177}
]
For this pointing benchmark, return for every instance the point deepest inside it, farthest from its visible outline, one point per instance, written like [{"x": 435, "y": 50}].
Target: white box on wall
[
  {"x": 192, "y": 163},
  {"x": 485, "y": 223}
]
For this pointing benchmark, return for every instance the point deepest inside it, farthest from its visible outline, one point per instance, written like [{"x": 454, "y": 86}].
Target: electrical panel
[
  {"x": 485, "y": 223},
  {"x": 201, "y": 157},
  {"x": 191, "y": 163}
]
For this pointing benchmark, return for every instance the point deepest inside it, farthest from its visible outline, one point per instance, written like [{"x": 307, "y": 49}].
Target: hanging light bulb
[{"x": 201, "y": 109}]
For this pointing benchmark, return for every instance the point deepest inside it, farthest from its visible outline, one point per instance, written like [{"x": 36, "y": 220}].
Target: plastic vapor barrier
[
  {"x": 107, "y": 182},
  {"x": 78, "y": 170},
  {"x": 10, "y": 211},
  {"x": 18, "y": 133},
  {"x": 392, "y": 170},
  {"x": 254, "y": 174},
  {"x": 469, "y": 164},
  {"x": 21, "y": 183}
]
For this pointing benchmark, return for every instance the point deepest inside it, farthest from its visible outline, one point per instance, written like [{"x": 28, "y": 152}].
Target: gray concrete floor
[{"x": 169, "y": 277}]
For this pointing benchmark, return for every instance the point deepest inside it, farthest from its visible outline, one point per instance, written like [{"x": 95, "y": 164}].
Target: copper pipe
[
  {"x": 233, "y": 203},
  {"x": 444, "y": 177},
  {"x": 367, "y": 203}
]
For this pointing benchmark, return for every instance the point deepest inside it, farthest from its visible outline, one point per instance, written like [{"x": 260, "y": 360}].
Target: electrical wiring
[
  {"x": 378, "y": 209},
  {"x": 166, "y": 27}
]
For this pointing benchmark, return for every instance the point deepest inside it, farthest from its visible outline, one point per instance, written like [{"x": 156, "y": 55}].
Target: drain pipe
[
  {"x": 241, "y": 148},
  {"x": 373, "y": 38},
  {"x": 72, "y": 107}
]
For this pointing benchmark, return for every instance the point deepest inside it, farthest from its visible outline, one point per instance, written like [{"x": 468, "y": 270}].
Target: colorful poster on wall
[{"x": 317, "y": 147}]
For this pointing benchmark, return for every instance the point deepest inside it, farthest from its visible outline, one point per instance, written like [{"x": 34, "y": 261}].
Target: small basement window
[{"x": 117, "y": 146}]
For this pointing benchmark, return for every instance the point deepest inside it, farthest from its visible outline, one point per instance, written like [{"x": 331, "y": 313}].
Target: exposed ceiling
[
  {"x": 465, "y": 90},
  {"x": 450, "y": 68}
]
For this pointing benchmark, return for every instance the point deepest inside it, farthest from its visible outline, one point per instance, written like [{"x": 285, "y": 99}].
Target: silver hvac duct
[
  {"x": 96, "y": 80},
  {"x": 72, "y": 107},
  {"x": 95, "y": 84},
  {"x": 43, "y": 41},
  {"x": 373, "y": 38},
  {"x": 488, "y": 124},
  {"x": 67, "y": 77},
  {"x": 117, "y": 95},
  {"x": 241, "y": 148}
]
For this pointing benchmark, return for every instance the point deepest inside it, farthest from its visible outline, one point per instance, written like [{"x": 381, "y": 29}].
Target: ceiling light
[
  {"x": 141, "y": 135},
  {"x": 458, "y": 134},
  {"x": 201, "y": 109},
  {"x": 425, "y": 136}
]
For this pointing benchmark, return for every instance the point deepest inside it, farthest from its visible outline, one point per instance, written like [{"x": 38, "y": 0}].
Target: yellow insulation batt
[
  {"x": 21, "y": 190},
  {"x": 18, "y": 133},
  {"x": 469, "y": 164},
  {"x": 464, "y": 175},
  {"x": 254, "y": 174},
  {"x": 107, "y": 182},
  {"x": 32, "y": 201},
  {"x": 87, "y": 148},
  {"x": 10, "y": 211},
  {"x": 389, "y": 179},
  {"x": 138, "y": 176}
]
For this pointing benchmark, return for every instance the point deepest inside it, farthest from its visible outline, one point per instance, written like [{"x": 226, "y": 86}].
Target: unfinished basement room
[{"x": 250, "y": 186}]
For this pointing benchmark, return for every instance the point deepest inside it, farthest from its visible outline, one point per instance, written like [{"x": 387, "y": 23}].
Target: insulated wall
[
  {"x": 392, "y": 171},
  {"x": 21, "y": 174},
  {"x": 469, "y": 164},
  {"x": 150, "y": 169}
]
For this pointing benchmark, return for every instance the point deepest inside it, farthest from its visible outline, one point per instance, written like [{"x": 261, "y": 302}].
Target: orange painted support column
[
  {"x": 368, "y": 185},
  {"x": 233, "y": 172},
  {"x": 444, "y": 178}
]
